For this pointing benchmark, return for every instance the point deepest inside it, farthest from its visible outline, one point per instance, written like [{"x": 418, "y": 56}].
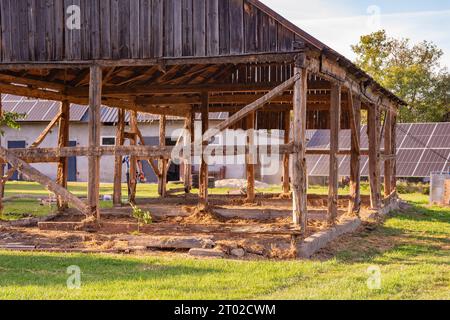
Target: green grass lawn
[{"x": 412, "y": 250}]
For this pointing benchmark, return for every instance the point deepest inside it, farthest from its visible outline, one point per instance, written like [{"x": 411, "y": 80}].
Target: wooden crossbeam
[
  {"x": 34, "y": 175},
  {"x": 46, "y": 131},
  {"x": 252, "y": 107}
]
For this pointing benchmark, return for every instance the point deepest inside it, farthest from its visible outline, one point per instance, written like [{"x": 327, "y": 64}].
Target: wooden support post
[
  {"x": 188, "y": 127},
  {"x": 162, "y": 179},
  {"x": 250, "y": 158},
  {"x": 120, "y": 140},
  {"x": 335, "y": 120},
  {"x": 63, "y": 141},
  {"x": 299, "y": 178},
  {"x": 95, "y": 102},
  {"x": 373, "y": 128},
  {"x": 286, "y": 157},
  {"x": 388, "y": 150},
  {"x": 2, "y": 166},
  {"x": 133, "y": 159},
  {"x": 394, "y": 152},
  {"x": 355, "y": 157},
  {"x": 203, "y": 177}
]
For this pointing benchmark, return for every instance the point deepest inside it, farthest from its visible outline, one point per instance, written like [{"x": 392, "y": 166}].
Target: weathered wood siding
[{"x": 36, "y": 30}]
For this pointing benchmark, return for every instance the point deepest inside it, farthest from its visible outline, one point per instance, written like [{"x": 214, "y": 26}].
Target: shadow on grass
[
  {"x": 50, "y": 270},
  {"x": 397, "y": 242}
]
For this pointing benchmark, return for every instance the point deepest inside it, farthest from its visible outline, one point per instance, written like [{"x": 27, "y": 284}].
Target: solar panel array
[{"x": 421, "y": 150}]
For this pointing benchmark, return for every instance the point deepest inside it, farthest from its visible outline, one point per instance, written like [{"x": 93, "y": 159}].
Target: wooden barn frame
[{"x": 179, "y": 58}]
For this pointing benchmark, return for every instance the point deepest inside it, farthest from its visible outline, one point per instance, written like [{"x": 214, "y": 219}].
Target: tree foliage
[
  {"x": 9, "y": 119},
  {"x": 411, "y": 71}
]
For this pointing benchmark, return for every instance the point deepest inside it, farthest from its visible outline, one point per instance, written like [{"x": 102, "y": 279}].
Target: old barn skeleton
[{"x": 174, "y": 58}]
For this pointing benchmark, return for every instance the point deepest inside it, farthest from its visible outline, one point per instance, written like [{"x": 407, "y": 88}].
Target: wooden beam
[
  {"x": 46, "y": 131},
  {"x": 299, "y": 178},
  {"x": 2, "y": 166},
  {"x": 162, "y": 179},
  {"x": 286, "y": 157},
  {"x": 335, "y": 120},
  {"x": 253, "y": 107},
  {"x": 132, "y": 187},
  {"x": 63, "y": 141},
  {"x": 150, "y": 160},
  {"x": 388, "y": 149},
  {"x": 118, "y": 165},
  {"x": 250, "y": 158},
  {"x": 355, "y": 158},
  {"x": 373, "y": 127},
  {"x": 44, "y": 181},
  {"x": 204, "y": 176},
  {"x": 394, "y": 153},
  {"x": 189, "y": 127},
  {"x": 94, "y": 126}
]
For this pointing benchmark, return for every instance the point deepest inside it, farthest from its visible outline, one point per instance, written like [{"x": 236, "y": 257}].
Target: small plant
[{"x": 142, "y": 217}]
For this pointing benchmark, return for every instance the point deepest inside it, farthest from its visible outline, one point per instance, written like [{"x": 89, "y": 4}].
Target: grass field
[{"x": 412, "y": 250}]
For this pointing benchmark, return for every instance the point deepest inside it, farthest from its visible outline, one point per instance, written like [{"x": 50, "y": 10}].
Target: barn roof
[{"x": 150, "y": 39}]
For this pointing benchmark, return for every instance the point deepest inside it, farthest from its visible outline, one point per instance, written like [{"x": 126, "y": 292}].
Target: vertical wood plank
[
  {"x": 95, "y": 29},
  {"x": 250, "y": 28},
  {"x": 6, "y": 30},
  {"x": 169, "y": 28},
  {"x": 105, "y": 29},
  {"x": 63, "y": 141},
  {"x": 212, "y": 22},
  {"x": 335, "y": 120},
  {"x": 177, "y": 29},
  {"x": 299, "y": 177},
  {"x": 95, "y": 102},
  {"x": 72, "y": 36},
  {"x": 224, "y": 27},
  {"x": 145, "y": 24},
  {"x": 187, "y": 28},
  {"x": 236, "y": 26},
  {"x": 373, "y": 127},
  {"x": 124, "y": 29},
  {"x": 115, "y": 34},
  {"x": 120, "y": 140},
  {"x": 134, "y": 28},
  {"x": 355, "y": 157},
  {"x": 199, "y": 26},
  {"x": 394, "y": 152},
  {"x": 157, "y": 28},
  {"x": 59, "y": 29}
]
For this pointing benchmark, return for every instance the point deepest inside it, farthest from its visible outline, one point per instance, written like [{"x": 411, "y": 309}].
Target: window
[{"x": 108, "y": 141}]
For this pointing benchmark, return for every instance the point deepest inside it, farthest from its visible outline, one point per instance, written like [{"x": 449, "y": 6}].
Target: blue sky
[{"x": 340, "y": 23}]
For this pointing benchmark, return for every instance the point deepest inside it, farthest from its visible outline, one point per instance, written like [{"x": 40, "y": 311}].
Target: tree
[
  {"x": 411, "y": 71},
  {"x": 9, "y": 119}
]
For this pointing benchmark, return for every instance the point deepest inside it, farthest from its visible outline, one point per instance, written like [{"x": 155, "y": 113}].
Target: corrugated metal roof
[{"x": 36, "y": 110}]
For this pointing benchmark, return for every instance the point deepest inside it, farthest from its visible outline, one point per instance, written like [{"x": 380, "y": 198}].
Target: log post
[
  {"x": 120, "y": 140},
  {"x": 133, "y": 159},
  {"x": 373, "y": 128},
  {"x": 335, "y": 120},
  {"x": 162, "y": 179},
  {"x": 63, "y": 141},
  {"x": 388, "y": 151},
  {"x": 95, "y": 102},
  {"x": 299, "y": 178},
  {"x": 355, "y": 157},
  {"x": 203, "y": 177},
  {"x": 2, "y": 166},
  {"x": 188, "y": 127},
  {"x": 286, "y": 157},
  {"x": 250, "y": 158},
  {"x": 394, "y": 152}
]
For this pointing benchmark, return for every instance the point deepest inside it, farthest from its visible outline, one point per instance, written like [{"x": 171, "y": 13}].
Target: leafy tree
[
  {"x": 411, "y": 71},
  {"x": 9, "y": 119}
]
